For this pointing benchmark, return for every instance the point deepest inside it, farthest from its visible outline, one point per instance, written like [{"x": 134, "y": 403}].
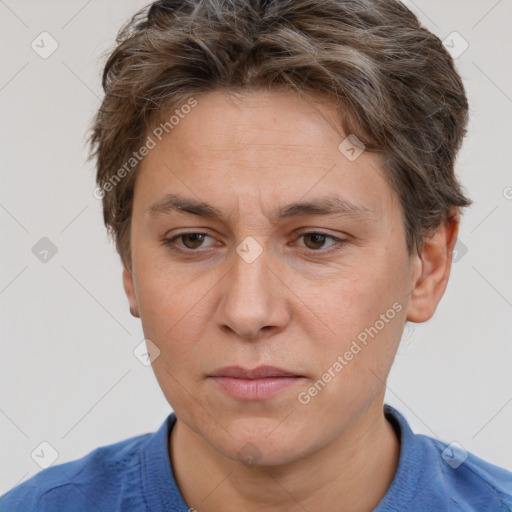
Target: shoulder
[
  {"x": 471, "y": 482},
  {"x": 88, "y": 483},
  {"x": 435, "y": 475}
]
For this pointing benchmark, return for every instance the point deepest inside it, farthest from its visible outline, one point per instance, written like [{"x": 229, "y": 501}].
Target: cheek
[
  {"x": 174, "y": 320},
  {"x": 365, "y": 315},
  {"x": 174, "y": 313},
  {"x": 356, "y": 295},
  {"x": 169, "y": 296}
]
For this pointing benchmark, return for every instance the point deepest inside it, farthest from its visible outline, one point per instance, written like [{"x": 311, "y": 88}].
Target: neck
[{"x": 352, "y": 473}]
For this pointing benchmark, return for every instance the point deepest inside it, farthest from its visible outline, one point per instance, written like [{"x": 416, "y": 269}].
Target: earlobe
[
  {"x": 129, "y": 289},
  {"x": 432, "y": 270}
]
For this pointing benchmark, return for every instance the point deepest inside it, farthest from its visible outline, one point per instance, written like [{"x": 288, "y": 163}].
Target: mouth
[{"x": 254, "y": 384}]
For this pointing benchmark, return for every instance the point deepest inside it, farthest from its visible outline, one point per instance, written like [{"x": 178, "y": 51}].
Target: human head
[
  {"x": 306, "y": 77},
  {"x": 394, "y": 84}
]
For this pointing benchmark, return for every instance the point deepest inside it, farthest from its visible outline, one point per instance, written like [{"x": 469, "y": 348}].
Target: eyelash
[{"x": 170, "y": 242}]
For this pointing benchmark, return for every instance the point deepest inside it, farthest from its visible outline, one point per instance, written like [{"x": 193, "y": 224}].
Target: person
[{"x": 278, "y": 178}]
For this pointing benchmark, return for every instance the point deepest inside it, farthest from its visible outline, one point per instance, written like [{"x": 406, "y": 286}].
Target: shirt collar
[{"x": 162, "y": 493}]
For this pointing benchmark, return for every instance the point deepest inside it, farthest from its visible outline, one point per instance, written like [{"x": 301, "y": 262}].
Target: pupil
[
  {"x": 317, "y": 239},
  {"x": 196, "y": 237}
]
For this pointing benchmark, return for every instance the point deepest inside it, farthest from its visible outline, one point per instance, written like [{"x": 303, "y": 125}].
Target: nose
[{"x": 253, "y": 300}]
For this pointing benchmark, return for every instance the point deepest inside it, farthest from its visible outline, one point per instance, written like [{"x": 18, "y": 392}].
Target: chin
[{"x": 262, "y": 442}]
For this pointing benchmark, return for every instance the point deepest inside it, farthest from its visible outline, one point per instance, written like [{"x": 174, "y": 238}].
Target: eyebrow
[{"x": 328, "y": 205}]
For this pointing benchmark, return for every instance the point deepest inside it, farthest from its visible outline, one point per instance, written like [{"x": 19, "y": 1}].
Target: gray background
[{"x": 68, "y": 373}]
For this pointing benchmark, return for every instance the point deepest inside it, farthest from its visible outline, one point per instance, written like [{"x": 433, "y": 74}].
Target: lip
[
  {"x": 258, "y": 383},
  {"x": 261, "y": 372}
]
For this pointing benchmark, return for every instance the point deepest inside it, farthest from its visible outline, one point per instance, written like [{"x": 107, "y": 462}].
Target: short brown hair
[{"x": 393, "y": 80}]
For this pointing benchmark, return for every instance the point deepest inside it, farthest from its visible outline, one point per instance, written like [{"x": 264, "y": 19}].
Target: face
[{"x": 293, "y": 258}]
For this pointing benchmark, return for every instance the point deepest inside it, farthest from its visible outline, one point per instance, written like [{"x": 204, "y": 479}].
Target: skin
[{"x": 297, "y": 306}]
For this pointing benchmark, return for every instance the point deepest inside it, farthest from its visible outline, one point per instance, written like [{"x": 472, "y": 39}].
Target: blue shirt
[{"x": 136, "y": 475}]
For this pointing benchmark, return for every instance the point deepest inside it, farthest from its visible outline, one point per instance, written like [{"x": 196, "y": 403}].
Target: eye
[
  {"x": 190, "y": 241},
  {"x": 315, "y": 241}
]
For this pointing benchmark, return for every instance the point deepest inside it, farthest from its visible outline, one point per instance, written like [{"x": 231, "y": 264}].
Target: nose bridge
[
  {"x": 249, "y": 300},
  {"x": 249, "y": 282}
]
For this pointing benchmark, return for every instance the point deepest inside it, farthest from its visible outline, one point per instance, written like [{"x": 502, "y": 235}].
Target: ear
[
  {"x": 432, "y": 270},
  {"x": 129, "y": 289}
]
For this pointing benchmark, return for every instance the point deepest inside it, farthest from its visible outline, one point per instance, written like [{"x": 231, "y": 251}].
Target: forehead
[
  {"x": 264, "y": 147},
  {"x": 280, "y": 120}
]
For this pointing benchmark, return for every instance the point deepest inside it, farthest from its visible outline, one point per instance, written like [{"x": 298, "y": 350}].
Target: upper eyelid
[{"x": 299, "y": 234}]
